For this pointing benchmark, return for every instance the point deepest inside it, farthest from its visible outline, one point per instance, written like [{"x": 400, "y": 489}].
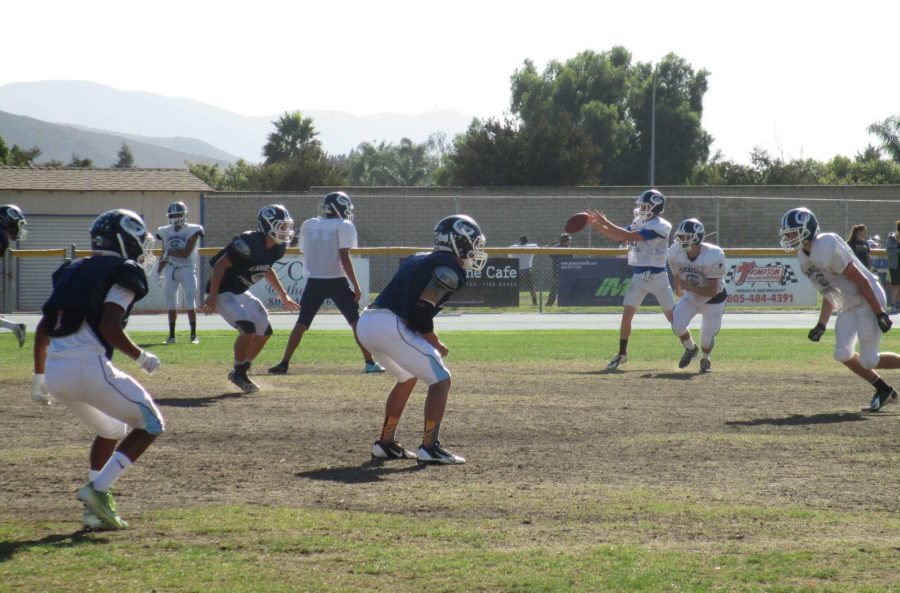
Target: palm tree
[
  {"x": 293, "y": 133},
  {"x": 888, "y": 131}
]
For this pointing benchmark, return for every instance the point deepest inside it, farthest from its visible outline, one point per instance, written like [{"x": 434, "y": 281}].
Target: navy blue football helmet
[
  {"x": 276, "y": 222},
  {"x": 649, "y": 204},
  {"x": 797, "y": 226},
  {"x": 123, "y": 232},
  {"x": 690, "y": 232},
  {"x": 337, "y": 203},
  {"x": 13, "y": 222},
  {"x": 461, "y": 235},
  {"x": 177, "y": 213}
]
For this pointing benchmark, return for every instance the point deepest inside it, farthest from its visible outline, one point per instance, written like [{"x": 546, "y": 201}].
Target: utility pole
[{"x": 653, "y": 131}]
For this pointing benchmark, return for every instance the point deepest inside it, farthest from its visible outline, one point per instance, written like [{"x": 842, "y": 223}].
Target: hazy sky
[{"x": 796, "y": 78}]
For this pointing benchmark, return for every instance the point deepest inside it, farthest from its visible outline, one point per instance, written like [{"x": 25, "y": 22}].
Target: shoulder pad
[
  {"x": 132, "y": 276},
  {"x": 446, "y": 277},
  {"x": 246, "y": 245}
]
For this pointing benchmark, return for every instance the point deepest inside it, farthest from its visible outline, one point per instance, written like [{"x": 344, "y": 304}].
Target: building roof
[{"x": 101, "y": 180}]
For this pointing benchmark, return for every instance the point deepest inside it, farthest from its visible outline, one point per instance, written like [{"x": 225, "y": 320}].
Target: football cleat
[
  {"x": 243, "y": 382},
  {"x": 279, "y": 369},
  {"x": 170, "y": 340},
  {"x": 438, "y": 455},
  {"x": 880, "y": 400},
  {"x": 20, "y": 334},
  {"x": 705, "y": 366},
  {"x": 102, "y": 504},
  {"x": 688, "y": 356},
  {"x": 195, "y": 340},
  {"x": 616, "y": 361},
  {"x": 91, "y": 522},
  {"x": 373, "y": 367},
  {"x": 391, "y": 450}
]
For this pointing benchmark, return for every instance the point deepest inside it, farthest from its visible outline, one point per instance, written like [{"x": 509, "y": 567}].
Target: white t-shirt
[
  {"x": 321, "y": 240},
  {"x": 85, "y": 342},
  {"x": 828, "y": 257},
  {"x": 650, "y": 252},
  {"x": 526, "y": 260},
  {"x": 177, "y": 239},
  {"x": 707, "y": 267}
]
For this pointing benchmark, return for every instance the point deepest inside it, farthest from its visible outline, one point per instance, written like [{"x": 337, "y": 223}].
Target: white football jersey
[
  {"x": 173, "y": 239},
  {"x": 320, "y": 241},
  {"x": 650, "y": 252},
  {"x": 828, "y": 257},
  {"x": 707, "y": 267}
]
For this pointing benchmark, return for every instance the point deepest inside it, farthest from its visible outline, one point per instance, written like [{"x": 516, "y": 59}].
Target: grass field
[{"x": 762, "y": 476}]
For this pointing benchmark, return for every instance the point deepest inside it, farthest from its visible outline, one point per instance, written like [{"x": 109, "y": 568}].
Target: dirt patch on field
[{"x": 546, "y": 444}]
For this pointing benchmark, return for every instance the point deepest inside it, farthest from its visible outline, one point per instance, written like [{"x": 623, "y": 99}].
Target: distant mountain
[
  {"x": 186, "y": 145},
  {"x": 146, "y": 114},
  {"x": 60, "y": 142}
]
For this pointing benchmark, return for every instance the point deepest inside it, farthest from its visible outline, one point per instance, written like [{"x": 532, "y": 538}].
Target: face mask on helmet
[
  {"x": 177, "y": 213},
  {"x": 124, "y": 233},
  {"x": 649, "y": 204},
  {"x": 13, "y": 221},
  {"x": 276, "y": 222},
  {"x": 338, "y": 203},
  {"x": 690, "y": 232},
  {"x": 797, "y": 226},
  {"x": 462, "y": 236}
]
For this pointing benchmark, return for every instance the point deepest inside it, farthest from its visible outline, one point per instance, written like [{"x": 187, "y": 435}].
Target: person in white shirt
[
  {"x": 648, "y": 249},
  {"x": 526, "y": 261},
  {"x": 699, "y": 272},
  {"x": 326, "y": 242},
  {"x": 848, "y": 287},
  {"x": 180, "y": 240}
]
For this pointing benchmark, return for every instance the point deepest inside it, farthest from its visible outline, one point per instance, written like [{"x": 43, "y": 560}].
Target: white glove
[
  {"x": 39, "y": 393},
  {"x": 148, "y": 362}
]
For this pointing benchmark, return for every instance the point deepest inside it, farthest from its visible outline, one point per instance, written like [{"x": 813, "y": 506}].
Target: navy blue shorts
[{"x": 319, "y": 289}]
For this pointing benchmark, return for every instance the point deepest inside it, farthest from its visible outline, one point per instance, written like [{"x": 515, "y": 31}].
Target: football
[{"x": 577, "y": 222}]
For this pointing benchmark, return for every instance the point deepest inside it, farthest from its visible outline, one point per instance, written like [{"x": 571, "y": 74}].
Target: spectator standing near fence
[
  {"x": 565, "y": 240},
  {"x": 526, "y": 262},
  {"x": 648, "y": 248},
  {"x": 858, "y": 240},
  {"x": 892, "y": 246},
  {"x": 850, "y": 288},
  {"x": 12, "y": 228}
]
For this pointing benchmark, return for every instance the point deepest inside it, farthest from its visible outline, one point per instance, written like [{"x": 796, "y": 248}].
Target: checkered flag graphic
[{"x": 789, "y": 277}]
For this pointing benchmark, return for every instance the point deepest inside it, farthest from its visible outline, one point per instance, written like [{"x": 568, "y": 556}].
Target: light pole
[{"x": 653, "y": 131}]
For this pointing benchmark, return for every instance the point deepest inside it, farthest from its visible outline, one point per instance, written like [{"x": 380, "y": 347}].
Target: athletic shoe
[
  {"x": 373, "y": 367},
  {"x": 195, "y": 340},
  {"x": 243, "y": 382},
  {"x": 880, "y": 400},
  {"x": 20, "y": 334},
  {"x": 688, "y": 356},
  {"x": 91, "y": 522},
  {"x": 391, "y": 450},
  {"x": 170, "y": 340},
  {"x": 705, "y": 366},
  {"x": 616, "y": 361},
  {"x": 103, "y": 506},
  {"x": 437, "y": 454},
  {"x": 279, "y": 369}
]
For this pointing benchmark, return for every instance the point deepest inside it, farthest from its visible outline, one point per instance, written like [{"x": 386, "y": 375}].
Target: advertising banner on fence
[
  {"x": 290, "y": 271},
  {"x": 497, "y": 285},
  {"x": 595, "y": 282},
  {"x": 767, "y": 282}
]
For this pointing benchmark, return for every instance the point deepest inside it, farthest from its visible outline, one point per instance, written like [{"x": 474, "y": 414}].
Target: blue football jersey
[{"x": 402, "y": 292}]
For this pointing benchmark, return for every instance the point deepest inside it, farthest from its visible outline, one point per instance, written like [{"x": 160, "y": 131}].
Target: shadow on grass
[
  {"x": 195, "y": 402},
  {"x": 801, "y": 420},
  {"x": 8, "y": 549},
  {"x": 370, "y": 471},
  {"x": 682, "y": 376}
]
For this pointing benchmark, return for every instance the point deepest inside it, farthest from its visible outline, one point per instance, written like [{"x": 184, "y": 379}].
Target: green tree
[
  {"x": 126, "y": 159},
  {"x": 22, "y": 157},
  {"x": 293, "y": 133},
  {"x": 406, "y": 164},
  {"x": 80, "y": 163},
  {"x": 888, "y": 131},
  {"x": 4, "y": 151}
]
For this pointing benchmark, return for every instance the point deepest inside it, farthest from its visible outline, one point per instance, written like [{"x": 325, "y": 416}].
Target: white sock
[
  {"x": 117, "y": 464},
  {"x": 704, "y": 356},
  {"x": 92, "y": 475},
  {"x": 689, "y": 343},
  {"x": 9, "y": 324}
]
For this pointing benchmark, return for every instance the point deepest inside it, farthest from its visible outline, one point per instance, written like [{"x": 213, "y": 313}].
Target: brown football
[{"x": 576, "y": 222}]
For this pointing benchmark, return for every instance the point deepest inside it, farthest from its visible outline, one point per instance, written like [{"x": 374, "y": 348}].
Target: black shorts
[{"x": 319, "y": 289}]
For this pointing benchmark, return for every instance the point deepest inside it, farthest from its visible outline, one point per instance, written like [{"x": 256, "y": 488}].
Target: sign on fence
[
  {"x": 767, "y": 282},
  {"x": 595, "y": 282},
  {"x": 497, "y": 285},
  {"x": 292, "y": 274}
]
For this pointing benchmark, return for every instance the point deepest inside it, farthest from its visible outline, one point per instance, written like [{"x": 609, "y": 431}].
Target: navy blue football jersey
[
  {"x": 4, "y": 243},
  {"x": 250, "y": 260},
  {"x": 402, "y": 292},
  {"x": 79, "y": 291}
]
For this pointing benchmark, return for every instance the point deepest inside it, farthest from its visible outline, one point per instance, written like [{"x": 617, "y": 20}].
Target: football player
[
  {"x": 246, "y": 260},
  {"x": 699, "y": 271},
  {"x": 12, "y": 228},
  {"x": 180, "y": 240},
  {"x": 326, "y": 242},
  {"x": 648, "y": 248},
  {"x": 398, "y": 328},
  {"x": 82, "y": 325},
  {"x": 846, "y": 286}
]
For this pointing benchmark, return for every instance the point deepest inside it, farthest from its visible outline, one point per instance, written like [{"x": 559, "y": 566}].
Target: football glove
[
  {"x": 884, "y": 322},
  {"x": 815, "y": 334},
  {"x": 148, "y": 361}
]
